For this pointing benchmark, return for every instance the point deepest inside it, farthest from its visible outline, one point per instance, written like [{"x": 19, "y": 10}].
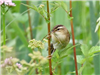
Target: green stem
[
  {"x": 31, "y": 34},
  {"x": 32, "y": 70},
  {"x": 4, "y": 34},
  {"x": 59, "y": 69}
]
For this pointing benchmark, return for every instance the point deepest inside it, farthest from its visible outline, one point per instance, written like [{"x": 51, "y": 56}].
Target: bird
[{"x": 60, "y": 37}]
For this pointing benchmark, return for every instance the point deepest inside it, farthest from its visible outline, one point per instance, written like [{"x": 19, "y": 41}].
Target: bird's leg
[
  {"x": 49, "y": 56},
  {"x": 49, "y": 36}
]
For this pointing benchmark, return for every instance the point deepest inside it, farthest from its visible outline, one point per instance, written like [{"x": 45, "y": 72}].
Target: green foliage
[
  {"x": 25, "y": 53},
  {"x": 40, "y": 10},
  {"x": 67, "y": 51},
  {"x": 94, "y": 49},
  {"x": 95, "y": 38},
  {"x": 87, "y": 57},
  {"x": 21, "y": 18},
  {"x": 62, "y": 4},
  {"x": 88, "y": 53},
  {"x": 54, "y": 7}
]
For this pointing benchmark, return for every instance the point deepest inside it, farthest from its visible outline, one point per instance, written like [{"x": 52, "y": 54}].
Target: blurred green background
[{"x": 85, "y": 14}]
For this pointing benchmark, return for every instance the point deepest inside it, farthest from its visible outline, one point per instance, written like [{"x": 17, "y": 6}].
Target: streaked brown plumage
[{"x": 60, "y": 37}]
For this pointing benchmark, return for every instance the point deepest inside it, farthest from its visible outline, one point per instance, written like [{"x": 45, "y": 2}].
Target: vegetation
[{"x": 25, "y": 26}]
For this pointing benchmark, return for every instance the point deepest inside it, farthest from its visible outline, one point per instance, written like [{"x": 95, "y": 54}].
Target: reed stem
[
  {"x": 30, "y": 26},
  {"x": 72, "y": 30},
  {"x": 49, "y": 52}
]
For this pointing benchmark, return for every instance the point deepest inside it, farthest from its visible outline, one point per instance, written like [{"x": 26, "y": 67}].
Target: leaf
[
  {"x": 81, "y": 68},
  {"x": 88, "y": 69},
  {"x": 69, "y": 48},
  {"x": 21, "y": 18},
  {"x": 64, "y": 5},
  {"x": 55, "y": 7},
  {"x": 61, "y": 57},
  {"x": 56, "y": 54},
  {"x": 41, "y": 11},
  {"x": 17, "y": 29},
  {"x": 80, "y": 59},
  {"x": 47, "y": 20},
  {"x": 70, "y": 17},
  {"x": 94, "y": 49},
  {"x": 67, "y": 51},
  {"x": 32, "y": 7},
  {"x": 84, "y": 49}
]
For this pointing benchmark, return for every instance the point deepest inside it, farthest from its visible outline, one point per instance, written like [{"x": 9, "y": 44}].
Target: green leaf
[
  {"x": 42, "y": 12},
  {"x": 32, "y": 7},
  {"x": 47, "y": 20},
  {"x": 55, "y": 7},
  {"x": 57, "y": 55},
  {"x": 80, "y": 59},
  {"x": 64, "y": 5},
  {"x": 84, "y": 49},
  {"x": 70, "y": 18},
  {"x": 81, "y": 68},
  {"x": 94, "y": 49},
  {"x": 18, "y": 31},
  {"x": 21, "y": 18},
  {"x": 67, "y": 51},
  {"x": 88, "y": 69}
]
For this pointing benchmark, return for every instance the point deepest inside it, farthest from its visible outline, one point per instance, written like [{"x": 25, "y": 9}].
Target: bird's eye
[{"x": 58, "y": 29}]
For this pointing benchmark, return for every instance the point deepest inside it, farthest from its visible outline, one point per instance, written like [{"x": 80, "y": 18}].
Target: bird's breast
[{"x": 59, "y": 41}]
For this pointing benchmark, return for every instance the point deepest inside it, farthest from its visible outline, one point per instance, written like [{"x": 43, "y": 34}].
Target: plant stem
[
  {"x": 59, "y": 69},
  {"x": 4, "y": 34},
  {"x": 25, "y": 31},
  {"x": 14, "y": 67},
  {"x": 30, "y": 26},
  {"x": 49, "y": 52},
  {"x": 72, "y": 30}
]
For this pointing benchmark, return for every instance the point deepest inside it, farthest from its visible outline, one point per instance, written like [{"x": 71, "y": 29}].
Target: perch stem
[
  {"x": 49, "y": 52},
  {"x": 72, "y": 30}
]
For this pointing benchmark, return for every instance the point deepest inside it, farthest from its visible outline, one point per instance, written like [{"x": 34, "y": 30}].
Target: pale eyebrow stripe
[{"x": 59, "y": 27}]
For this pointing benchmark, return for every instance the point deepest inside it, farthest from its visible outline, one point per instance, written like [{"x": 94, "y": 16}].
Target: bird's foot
[{"x": 49, "y": 56}]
